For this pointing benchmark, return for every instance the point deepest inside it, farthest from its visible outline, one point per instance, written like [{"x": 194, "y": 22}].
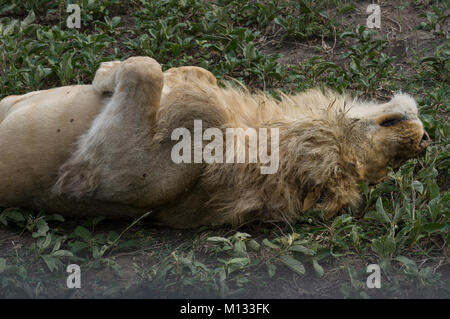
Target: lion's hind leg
[{"x": 109, "y": 152}]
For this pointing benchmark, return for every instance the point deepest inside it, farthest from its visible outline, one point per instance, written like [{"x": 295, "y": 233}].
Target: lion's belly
[{"x": 37, "y": 134}]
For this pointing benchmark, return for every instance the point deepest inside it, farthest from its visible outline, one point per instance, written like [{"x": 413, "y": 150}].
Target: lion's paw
[
  {"x": 105, "y": 77},
  {"x": 141, "y": 68}
]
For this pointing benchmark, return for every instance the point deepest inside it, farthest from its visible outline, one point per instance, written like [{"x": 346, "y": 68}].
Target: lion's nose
[{"x": 425, "y": 139}]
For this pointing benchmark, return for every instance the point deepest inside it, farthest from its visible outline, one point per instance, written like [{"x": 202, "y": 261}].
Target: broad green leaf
[
  {"x": 51, "y": 262},
  {"x": 405, "y": 260},
  {"x": 269, "y": 244},
  {"x": 434, "y": 227},
  {"x": 271, "y": 268},
  {"x": 302, "y": 249},
  {"x": 237, "y": 263},
  {"x": 418, "y": 186},
  {"x": 10, "y": 28},
  {"x": 317, "y": 268},
  {"x": 240, "y": 236},
  {"x": 354, "y": 280},
  {"x": 112, "y": 236},
  {"x": 62, "y": 253},
  {"x": 364, "y": 189},
  {"x": 13, "y": 214},
  {"x": 253, "y": 245},
  {"x": 434, "y": 191},
  {"x": 216, "y": 239},
  {"x": 83, "y": 233},
  {"x": 98, "y": 252},
  {"x": 58, "y": 242},
  {"x": 383, "y": 217},
  {"x": 341, "y": 220},
  {"x": 410, "y": 265},
  {"x": 44, "y": 242},
  {"x": 384, "y": 246},
  {"x": 41, "y": 228},
  {"x": 115, "y": 21},
  {"x": 293, "y": 264},
  {"x": 77, "y": 246},
  {"x": 29, "y": 19},
  {"x": 240, "y": 249}
]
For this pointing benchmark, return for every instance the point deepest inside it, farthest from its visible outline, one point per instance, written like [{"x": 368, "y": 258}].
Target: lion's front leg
[{"x": 110, "y": 153}]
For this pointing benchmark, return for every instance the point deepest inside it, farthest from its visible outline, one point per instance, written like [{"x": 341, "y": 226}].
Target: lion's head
[{"x": 394, "y": 134}]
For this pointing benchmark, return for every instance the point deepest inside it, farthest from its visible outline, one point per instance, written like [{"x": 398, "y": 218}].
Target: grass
[{"x": 402, "y": 224}]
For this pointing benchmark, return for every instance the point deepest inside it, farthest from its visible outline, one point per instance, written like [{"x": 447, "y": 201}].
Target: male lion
[{"x": 106, "y": 148}]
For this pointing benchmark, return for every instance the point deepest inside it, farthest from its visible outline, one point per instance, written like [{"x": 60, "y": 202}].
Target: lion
[{"x": 107, "y": 148}]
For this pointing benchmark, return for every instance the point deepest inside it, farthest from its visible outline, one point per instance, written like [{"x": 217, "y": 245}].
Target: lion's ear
[
  {"x": 401, "y": 103},
  {"x": 404, "y": 101}
]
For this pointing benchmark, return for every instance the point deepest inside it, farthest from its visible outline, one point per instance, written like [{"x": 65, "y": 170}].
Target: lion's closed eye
[{"x": 390, "y": 120}]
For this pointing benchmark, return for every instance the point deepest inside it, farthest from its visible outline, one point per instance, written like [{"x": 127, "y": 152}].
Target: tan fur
[{"x": 105, "y": 148}]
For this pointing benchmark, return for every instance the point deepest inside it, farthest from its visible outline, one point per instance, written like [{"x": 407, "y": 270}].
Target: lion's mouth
[
  {"x": 425, "y": 141},
  {"x": 407, "y": 153}
]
